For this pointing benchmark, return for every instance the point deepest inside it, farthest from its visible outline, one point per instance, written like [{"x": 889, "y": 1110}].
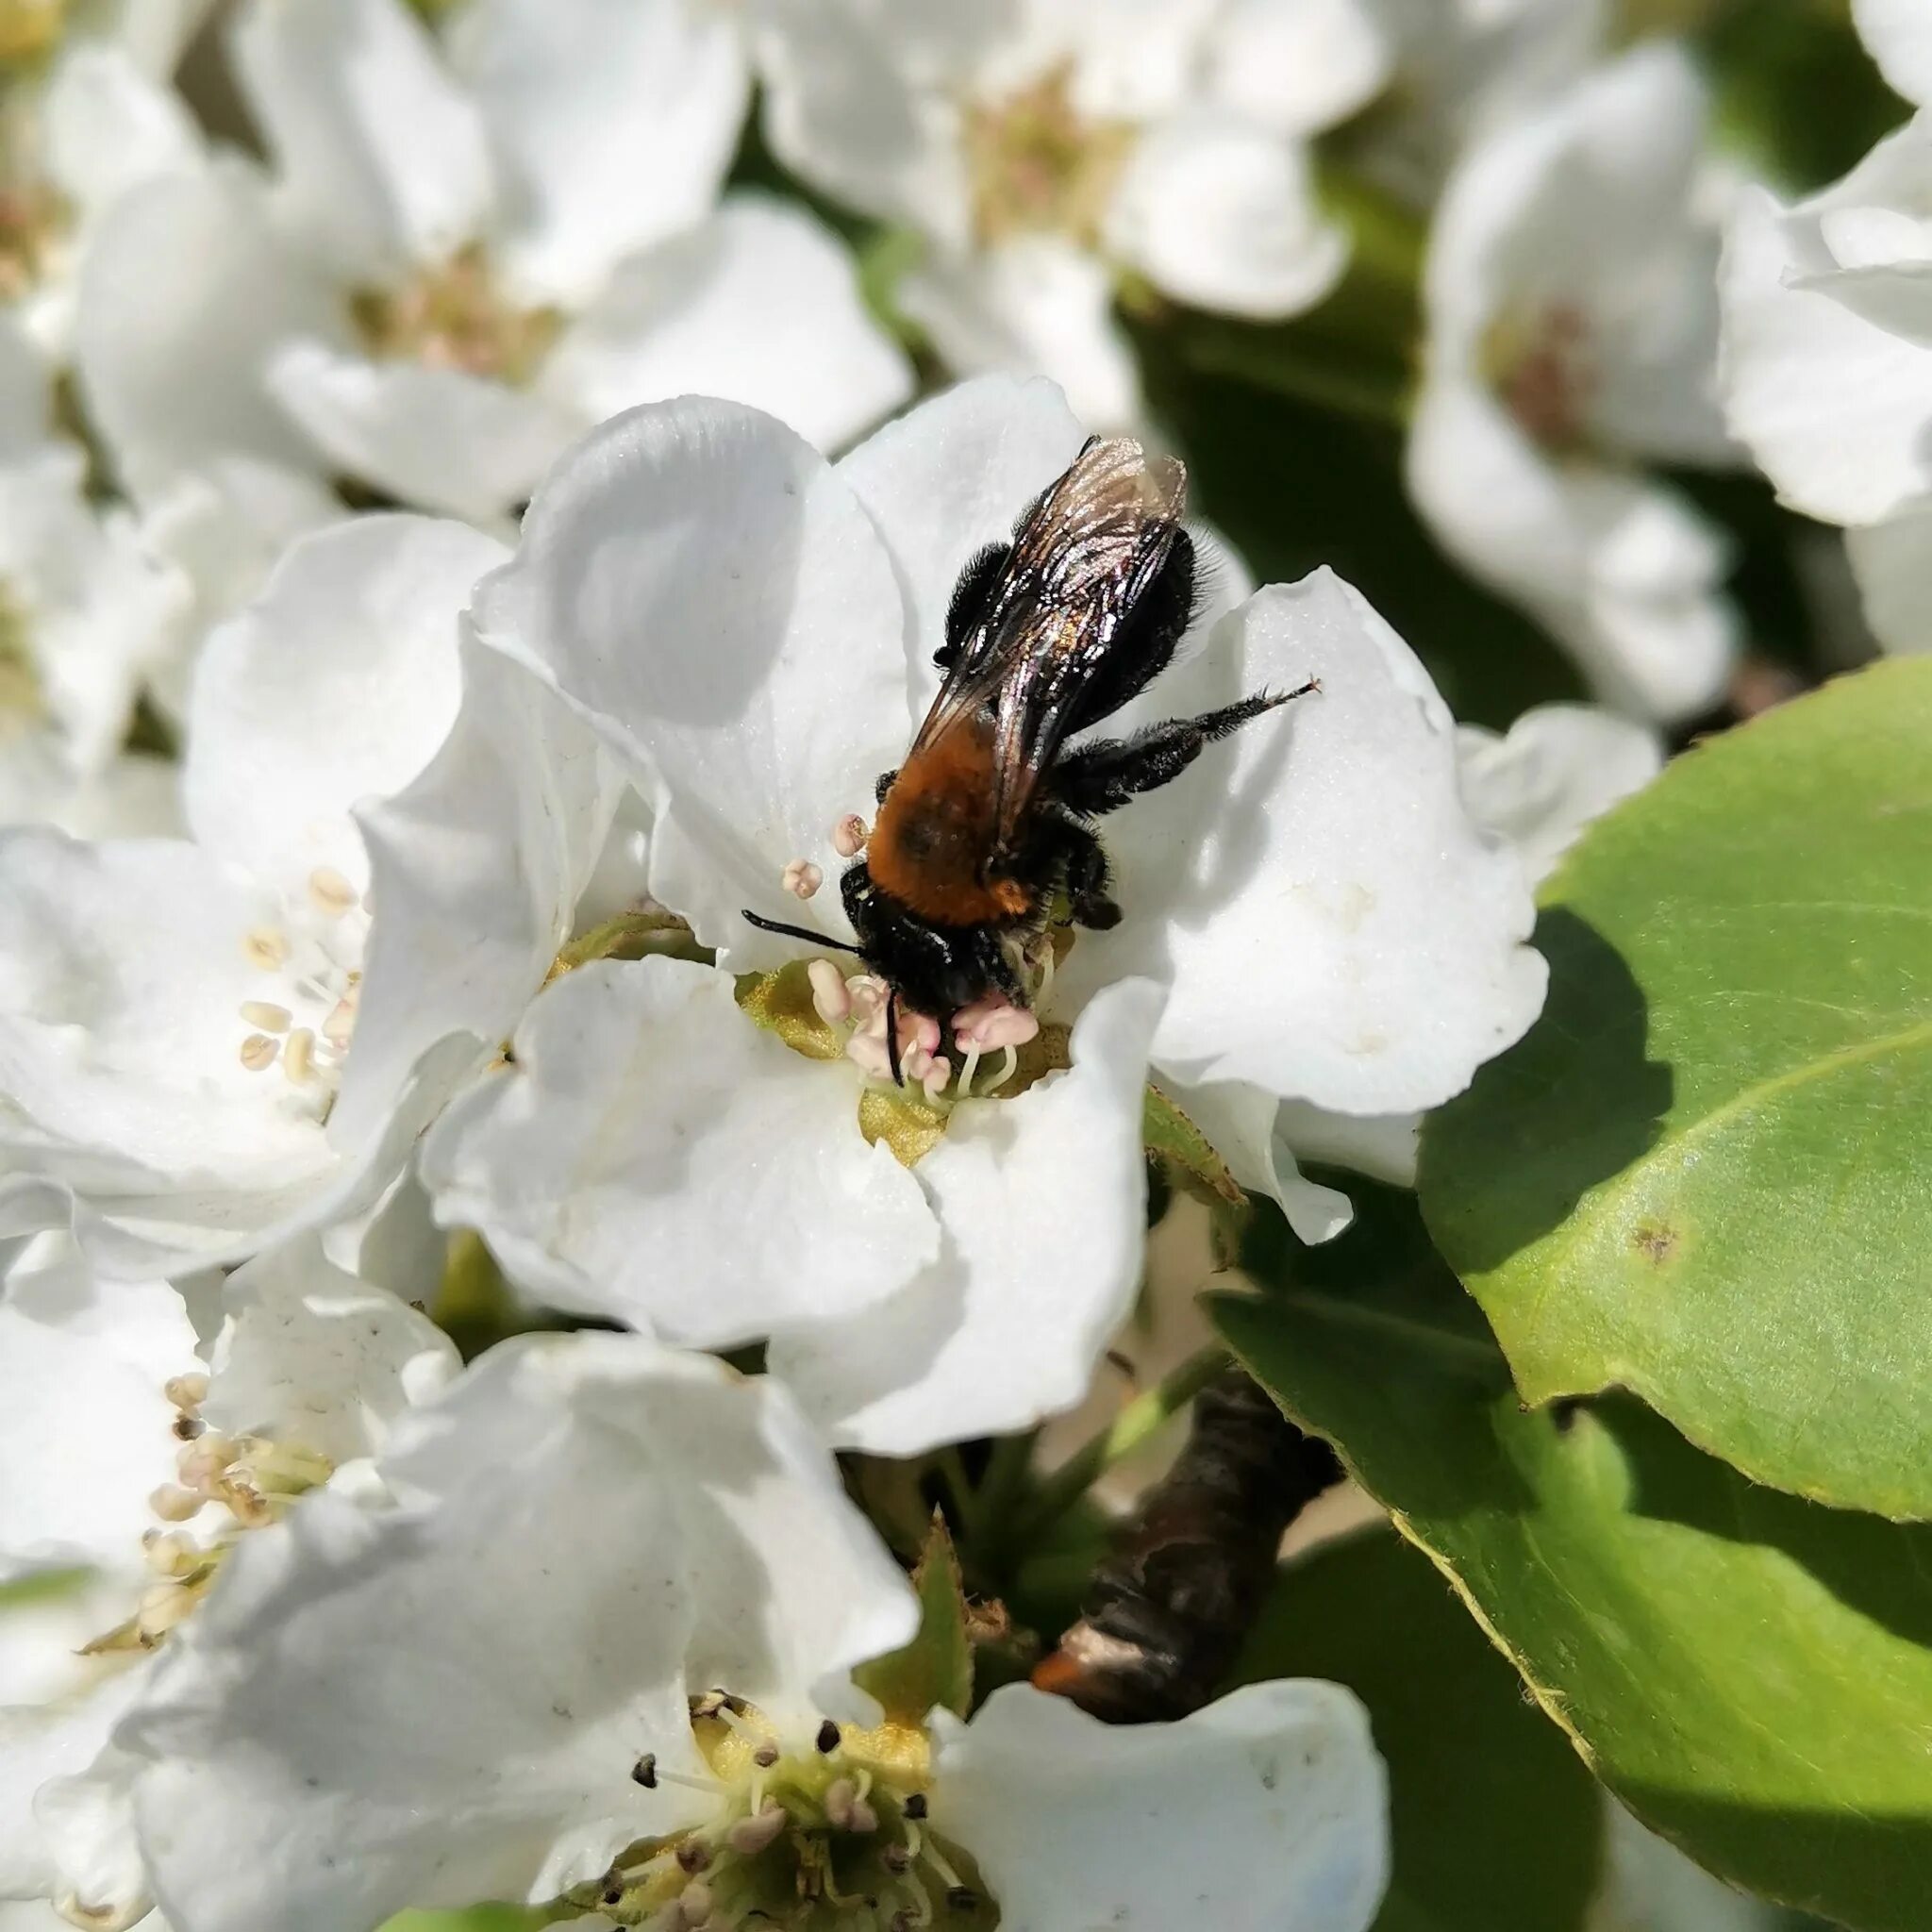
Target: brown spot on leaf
[{"x": 1656, "y": 1241}]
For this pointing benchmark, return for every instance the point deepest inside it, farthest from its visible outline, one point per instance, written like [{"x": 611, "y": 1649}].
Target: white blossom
[
  {"x": 469, "y": 250},
  {"x": 138, "y": 1457},
  {"x": 593, "y": 1633},
  {"x": 176, "y": 1016},
  {"x": 1040, "y": 147},
  {"x": 1572, "y": 338}
]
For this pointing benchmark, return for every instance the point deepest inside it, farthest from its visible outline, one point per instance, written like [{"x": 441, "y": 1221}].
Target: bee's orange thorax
[{"x": 932, "y": 843}]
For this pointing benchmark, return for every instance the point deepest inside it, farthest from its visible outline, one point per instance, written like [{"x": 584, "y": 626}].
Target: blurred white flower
[
  {"x": 636, "y": 1578},
  {"x": 469, "y": 250},
  {"x": 1041, "y": 146},
  {"x": 1572, "y": 338},
  {"x": 753, "y": 630},
  {"x": 1827, "y": 362},
  {"x": 141, "y": 1457},
  {"x": 177, "y": 1017},
  {"x": 1538, "y": 786}
]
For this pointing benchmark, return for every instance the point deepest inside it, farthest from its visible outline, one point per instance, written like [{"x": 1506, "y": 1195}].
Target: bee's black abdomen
[
  {"x": 1143, "y": 646},
  {"x": 971, "y": 599}
]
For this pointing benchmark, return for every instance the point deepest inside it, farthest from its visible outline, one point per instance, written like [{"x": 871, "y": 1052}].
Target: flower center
[
  {"x": 312, "y": 982},
  {"x": 806, "y": 1836},
  {"x": 456, "y": 316},
  {"x": 1037, "y": 166},
  {"x": 28, "y": 28},
  {"x": 1540, "y": 365},
  {"x": 250, "y": 1479},
  {"x": 33, "y": 223}
]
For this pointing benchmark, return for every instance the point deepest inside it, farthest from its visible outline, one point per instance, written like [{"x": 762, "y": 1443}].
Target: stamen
[
  {"x": 298, "y": 1056},
  {"x": 695, "y": 1902},
  {"x": 1009, "y": 1065},
  {"x": 915, "y": 1805},
  {"x": 172, "y": 1504},
  {"x": 752, "y": 1835},
  {"x": 267, "y": 947},
  {"x": 827, "y": 1740},
  {"x": 830, "y": 1001},
  {"x": 330, "y": 892},
  {"x": 849, "y": 836},
  {"x": 694, "y": 1856},
  {"x": 803, "y": 878},
  {"x": 968, "y": 1067},
  {"x": 258, "y": 1053},
  {"x": 186, "y": 1391},
  {"x": 936, "y": 1077},
  {"x": 341, "y": 1022}
]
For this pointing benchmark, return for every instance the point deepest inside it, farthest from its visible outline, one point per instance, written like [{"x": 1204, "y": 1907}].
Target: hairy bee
[{"x": 992, "y": 815}]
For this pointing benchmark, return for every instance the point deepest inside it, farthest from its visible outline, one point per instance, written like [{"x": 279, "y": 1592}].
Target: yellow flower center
[
  {"x": 456, "y": 316},
  {"x": 28, "y": 28},
  {"x": 1037, "y": 166}
]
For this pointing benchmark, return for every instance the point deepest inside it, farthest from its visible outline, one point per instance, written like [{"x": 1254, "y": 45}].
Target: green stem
[
  {"x": 1135, "y": 1424},
  {"x": 629, "y": 936}
]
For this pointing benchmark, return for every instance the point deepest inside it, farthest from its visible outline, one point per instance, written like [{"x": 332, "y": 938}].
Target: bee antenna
[
  {"x": 796, "y": 932},
  {"x": 892, "y": 1035}
]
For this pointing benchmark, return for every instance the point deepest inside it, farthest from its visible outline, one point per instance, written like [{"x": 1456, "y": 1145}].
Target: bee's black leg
[
  {"x": 1084, "y": 871},
  {"x": 971, "y": 601},
  {"x": 884, "y": 786},
  {"x": 1102, "y": 777}
]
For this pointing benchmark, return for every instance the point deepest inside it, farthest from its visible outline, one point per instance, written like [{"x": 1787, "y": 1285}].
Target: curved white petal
[
  {"x": 338, "y": 684},
  {"x": 700, "y": 584},
  {"x": 109, "y": 127},
  {"x": 1299, "y": 66},
  {"x": 1899, "y": 35},
  {"x": 653, "y": 1502},
  {"x": 1039, "y": 306},
  {"x": 134, "y": 796},
  {"x": 1834, "y": 407},
  {"x": 950, "y": 477},
  {"x": 441, "y": 437},
  {"x": 1382, "y": 1146},
  {"x": 612, "y": 123},
  {"x": 477, "y": 867},
  {"x": 655, "y": 1156},
  {"x": 1558, "y": 767},
  {"x": 1245, "y": 1126},
  {"x": 1265, "y": 1812},
  {"x": 381, "y": 155},
  {"x": 185, "y": 291},
  {"x": 1893, "y": 561},
  {"x": 311, "y": 1357},
  {"x": 759, "y": 304},
  {"x": 83, "y": 1363},
  {"x": 1222, "y": 213},
  {"x": 1046, "y": 1188},
  {"x": 1334, "y": 926}
]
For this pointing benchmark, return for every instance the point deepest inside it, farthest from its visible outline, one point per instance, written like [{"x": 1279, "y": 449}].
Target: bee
[{"x": 990, "y": 821}]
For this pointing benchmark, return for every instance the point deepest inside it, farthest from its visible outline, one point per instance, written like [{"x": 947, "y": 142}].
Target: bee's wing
[{"x": 1080, "y": 561}]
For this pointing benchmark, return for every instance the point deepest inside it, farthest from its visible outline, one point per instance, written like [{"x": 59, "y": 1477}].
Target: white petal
[
  {"x": 154, "y": 32},
  {"x": 1033, "y": 306},
  {"x": 88, "y": 1821},
  {"x": 1893, "y": 563},
  {"x": 1222, "y": 213},
  {"x": 1048, "y": 1187},
  {"x": 1265, "y": 1812},
  {"x": 134, "y": 796},
  {"x": 1243, "y": 1124},
  {"x": 952, "y": 477},
  {"x": 700, "y": 584},
  {"x": 1559, "y": 767},
  {"x": 655, "y": 1156},
  {"x": 441, "y": 437},
  {"x": 648, "y": 1497},
  {"x": 1299, "y": 66},
  {"x": 854, "y": 101},
  {"x": 477, "y": 867},
  {"x": 1335, "y": 926},
  {"x": 312, "y": 1357},
  {"x": 82, "y": 1367},
  {"x": 1833, "y": 406},
  {"x": 185, "y": 291},
  {"x": 109, "y": 127},
  {"x": 612, "y": 123},
  {"x": 1382, "y": 1146},
  {"x": 1899, "y": 35},
  {"x": 758, "y": 305},
  {"x": 337, "y": 685},
  {"x": 381, "y": 155},
  {"x": 27, "y": 393}
]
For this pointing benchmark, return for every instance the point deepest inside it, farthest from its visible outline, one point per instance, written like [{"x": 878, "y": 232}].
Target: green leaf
[
  {"x": 473, "y": 1918},
  {"x": 1749, "y": 1671},
  {"x": 1168, "y": 1132},
  {"x": 1493, "y": 1819},
  {"x": 1707, "y": 1173},
  {"x": 936, "y": 1667}
]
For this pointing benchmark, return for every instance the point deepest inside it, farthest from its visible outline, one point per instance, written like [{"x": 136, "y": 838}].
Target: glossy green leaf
[
  {"x": 1493, "y": 1820},
  {"x": 936, "y": 1669},
  {"x": 1707, "y": 1173},
  {"x": 1752, "y": 1674}
]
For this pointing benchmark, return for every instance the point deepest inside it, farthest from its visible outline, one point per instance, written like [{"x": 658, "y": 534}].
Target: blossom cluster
[{"x": 473, "y": 527}]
